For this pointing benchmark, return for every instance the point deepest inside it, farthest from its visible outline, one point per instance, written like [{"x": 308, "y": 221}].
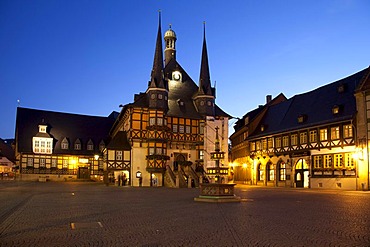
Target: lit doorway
[{"x": 302, "y": 174}]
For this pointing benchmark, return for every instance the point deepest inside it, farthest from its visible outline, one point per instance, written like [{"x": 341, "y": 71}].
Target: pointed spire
[
  {"x": 204, "y": 78},
  {"x": 157, "y": 79}
]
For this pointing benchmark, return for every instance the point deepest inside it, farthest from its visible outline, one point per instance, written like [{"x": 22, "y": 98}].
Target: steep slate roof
[
  {"x": 316, "y": 106},
  {"x": 184, "y": 91},
  {"x": 60, "y": 126}
]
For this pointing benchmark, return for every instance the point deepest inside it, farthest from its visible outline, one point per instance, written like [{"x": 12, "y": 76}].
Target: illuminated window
[
  {"x": 334, "y": 133},
  {"x": 317, "y": 161},
  {"x": 271, "y": 172},
  {"x": 181, "y": 128},
  {"x": 159, "y": 150},
  {"x": 151, "y": 151},
  {"x": 160, "y": 121},
  {"x": 30, "y": 162},
  {"x": 294, "y": 139},
  {"x": 338, "y": 160},
  {"x": 101, "y": 165},
  {"x": 261, "y": 174},
  {"x": 152, "y": 121},
  {"x": 313, "y": 136},
  {"x": 278, "y": 142},
  {"x": 65, "y": 164},
  {"x": 54, "y": 163},
  {"x": 264, "y": 144},
  {"x": 187, "y": 129},
  {"x": 201, "y": 128},
  {"x": 42, "y": 145},
  {"x": 327, "y": 161},
  {"x": 201, "y": 154},
  {"x": 118, "y": 155},
  {"x": 323, "y": 134},
  {"x": 42, "y": 163},
  {"x": 258, "y": 145},
  {"x": 347, "y": 131},
  {"x": 282, "y": 171},
  {"x": 253, "y": 146},
  {"x": 174, "y": 128},
  {"x": 285, "y": 141},
  {"x": 335, "y": 109},
  {"x": 349, "y": 161},
  {"x": 303, "y": 137},
  {"x": 270, "y": 142}
]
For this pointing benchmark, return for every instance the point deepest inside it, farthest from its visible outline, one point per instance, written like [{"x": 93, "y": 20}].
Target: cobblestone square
[{"x": 92, "y": 214}]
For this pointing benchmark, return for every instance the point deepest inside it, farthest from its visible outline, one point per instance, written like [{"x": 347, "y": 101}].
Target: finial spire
[
  {"x": 157, "y": 79},
  {"x": 204, "y": 78}
]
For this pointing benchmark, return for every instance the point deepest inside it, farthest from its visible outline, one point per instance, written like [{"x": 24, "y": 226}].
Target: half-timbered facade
[
  {"x": 60, "y": 146},
  {"x": 311, "y": 140}
]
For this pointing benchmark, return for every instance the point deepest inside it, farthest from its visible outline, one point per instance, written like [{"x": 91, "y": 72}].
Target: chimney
[{"x": 268, "y": 98}]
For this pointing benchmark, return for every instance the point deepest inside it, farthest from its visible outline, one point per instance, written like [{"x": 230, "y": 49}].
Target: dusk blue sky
[{"x": 88, "y": 57}]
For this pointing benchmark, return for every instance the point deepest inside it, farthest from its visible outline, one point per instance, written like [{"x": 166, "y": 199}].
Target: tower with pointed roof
[
  {"x": 204, "y": 99},
  {"x": 157, "y": 91}
]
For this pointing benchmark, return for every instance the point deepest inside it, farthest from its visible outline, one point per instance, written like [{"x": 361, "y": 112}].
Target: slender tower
[
  {"x": 157, "y": 91},
  {"x": 205, "y": 97},
  {"x": 170, "y": 50}
]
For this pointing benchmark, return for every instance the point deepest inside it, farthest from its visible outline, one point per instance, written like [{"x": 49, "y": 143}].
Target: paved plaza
[{"x": 92, "y": 214}]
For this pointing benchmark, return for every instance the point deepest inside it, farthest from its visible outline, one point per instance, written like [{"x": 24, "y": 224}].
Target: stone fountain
[{"x": 217, "y": 190}]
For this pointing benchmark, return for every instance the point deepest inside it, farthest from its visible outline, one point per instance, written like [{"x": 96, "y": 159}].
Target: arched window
[
  {"x": 282, "y": 171},
  {"x": 261, "y": 173},
  {"x": 271, "y": 168}
]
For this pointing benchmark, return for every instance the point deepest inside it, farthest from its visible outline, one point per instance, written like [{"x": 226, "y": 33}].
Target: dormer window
[
  {"x": 65, "y": 144},
  {"x": 42, "y": 128},
  {"x": 90, "y": 145},
  {"x": 78, "y": 144},
  {"x": 101, "y": 145},
  {"x": 335, "y": 109},
  {"x": 42, "y": 142},
  {"x": 302, "y": 118},
  {"x": 262, "y": 128}
]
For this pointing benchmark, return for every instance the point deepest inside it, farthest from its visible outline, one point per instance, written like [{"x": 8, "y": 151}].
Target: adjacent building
[
  {"x": 7, "y": 160},
  {"x": 317, "y": 139}
]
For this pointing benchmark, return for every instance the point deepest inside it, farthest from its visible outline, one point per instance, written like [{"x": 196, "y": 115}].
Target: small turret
[{"x": 170, "y": 50}]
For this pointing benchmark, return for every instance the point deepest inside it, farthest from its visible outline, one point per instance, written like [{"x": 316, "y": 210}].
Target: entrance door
[
  {"x": 83, "y": 173},
  {"x": 301, "y": 174}
]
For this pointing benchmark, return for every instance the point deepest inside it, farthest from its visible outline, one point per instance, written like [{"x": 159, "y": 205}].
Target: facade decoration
[{"x": 317, "y": 139}]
